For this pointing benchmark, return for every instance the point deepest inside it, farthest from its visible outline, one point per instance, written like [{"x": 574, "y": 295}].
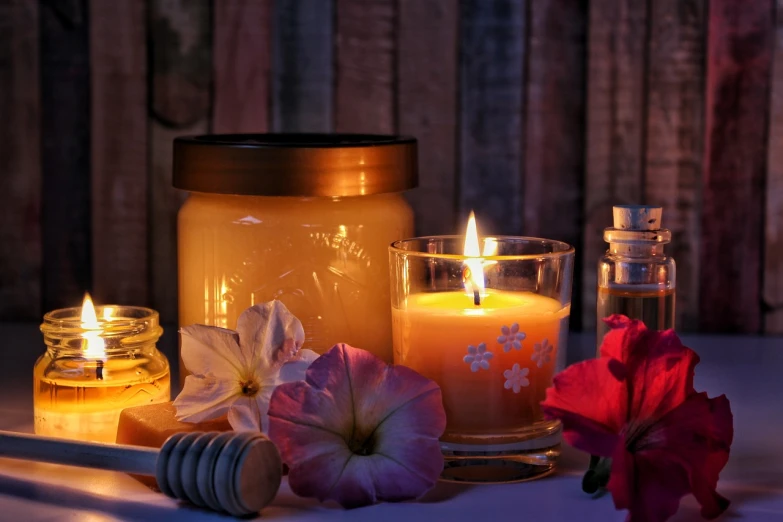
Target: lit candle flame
[
  {"x": 474, "y": 268},
  {"x": 95, "y": 346}
]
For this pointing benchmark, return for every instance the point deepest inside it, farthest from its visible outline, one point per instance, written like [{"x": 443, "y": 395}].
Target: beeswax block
[{"x": 152, "y": 424}]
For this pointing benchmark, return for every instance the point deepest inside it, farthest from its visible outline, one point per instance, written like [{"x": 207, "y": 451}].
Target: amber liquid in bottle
[
  {"x": 654, "y": 307},
  {"x": 635, "y": 277}
]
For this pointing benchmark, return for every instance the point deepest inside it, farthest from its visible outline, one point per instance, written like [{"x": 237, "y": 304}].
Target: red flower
[{"x": 636, "y": 404}]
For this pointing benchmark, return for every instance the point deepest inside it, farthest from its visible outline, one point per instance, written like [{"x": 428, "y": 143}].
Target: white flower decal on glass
[
  {"x": 478, "y": 357},
  {"x": 542, "y": 353},
  {"x": 516, "y": 378},
  {"x": 511, "y": 338}
]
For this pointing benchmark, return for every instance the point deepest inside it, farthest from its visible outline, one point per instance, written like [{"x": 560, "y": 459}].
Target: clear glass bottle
[
  {"x": 89, "y": 374},
  {"x": 635, "y": 277}
]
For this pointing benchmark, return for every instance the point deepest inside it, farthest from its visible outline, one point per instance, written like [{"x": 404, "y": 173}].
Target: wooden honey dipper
[{"x": 235, "y": 472}]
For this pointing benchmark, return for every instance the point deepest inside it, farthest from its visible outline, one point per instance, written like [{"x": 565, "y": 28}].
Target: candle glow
[
  {"x": 474, "y": 268},
  {"x": 94, "y": 346}
]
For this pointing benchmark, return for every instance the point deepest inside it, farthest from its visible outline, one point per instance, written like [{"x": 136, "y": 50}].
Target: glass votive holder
[
  {"x": 493, "y": 346},
  {"x": 91, "y": 372}
]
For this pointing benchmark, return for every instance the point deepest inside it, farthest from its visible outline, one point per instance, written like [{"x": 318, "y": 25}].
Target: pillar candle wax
[
  {"x": 436, "y": 331},
  {"x": 89, "y": 409}
]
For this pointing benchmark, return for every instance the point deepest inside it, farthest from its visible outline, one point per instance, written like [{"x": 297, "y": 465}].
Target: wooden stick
[
  {"x": 238, "y": 473},
  {"x": 128, "y": 459}
]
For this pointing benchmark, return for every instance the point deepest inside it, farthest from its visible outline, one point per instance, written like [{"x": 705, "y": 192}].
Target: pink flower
[
  {"x": 636, "y": 404},
  {"x": 358, "y": 430}
]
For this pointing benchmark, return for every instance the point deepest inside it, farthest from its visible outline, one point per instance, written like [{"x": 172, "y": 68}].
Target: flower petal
[
  {"x": 649, "y": 486},
  {"x": 269, "y": 334},
  {"x": 316, "y": 457},
  {"x": 244, "y": 415},
  {"x": 658, "y": 368},
  {"x": 392, "y": 413},
  {"x": 696, "y": 437},
  {"x": 211, "y": 350},
  {"x": 295, "y": 369},
  {"x": 587, "y": 398},
  {"x": 205, "y": 398}
]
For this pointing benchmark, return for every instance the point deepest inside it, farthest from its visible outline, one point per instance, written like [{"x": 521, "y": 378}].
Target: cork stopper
[{"x": 637, "y": 217}]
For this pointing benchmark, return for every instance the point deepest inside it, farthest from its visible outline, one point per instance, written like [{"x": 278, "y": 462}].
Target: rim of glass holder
[
  {"x": 567, "y": 249},
  {"x": 129, "y": 328}
]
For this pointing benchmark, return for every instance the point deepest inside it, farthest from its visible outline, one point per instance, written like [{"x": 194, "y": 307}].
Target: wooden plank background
[{"x": 537, "y": 114}]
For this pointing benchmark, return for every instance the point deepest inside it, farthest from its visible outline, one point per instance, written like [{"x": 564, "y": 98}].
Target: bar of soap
[{"x": 152, "y": 424}]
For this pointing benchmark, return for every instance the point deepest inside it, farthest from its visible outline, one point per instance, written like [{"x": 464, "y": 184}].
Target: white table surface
[{"x": 748, "y": 370}]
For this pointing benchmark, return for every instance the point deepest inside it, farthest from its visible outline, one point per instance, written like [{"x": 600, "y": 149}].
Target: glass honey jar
[{"x": 303, "y": 218}]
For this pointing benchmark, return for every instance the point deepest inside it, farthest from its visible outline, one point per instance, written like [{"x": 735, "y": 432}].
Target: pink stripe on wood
[
  {"x": 241, "y": 57},
  {"x": 739, "y": 53},
  {"x": 773, "y": 243}
]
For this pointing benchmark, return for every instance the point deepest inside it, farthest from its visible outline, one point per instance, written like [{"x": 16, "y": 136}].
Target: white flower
[
  {"x": 516, "y": 378},
  {"x": 235, "y": 373},
  {"x": 478, "y": 357},
  {"x": 542, "y": 353},
  {"x": 511, "y": 338}
]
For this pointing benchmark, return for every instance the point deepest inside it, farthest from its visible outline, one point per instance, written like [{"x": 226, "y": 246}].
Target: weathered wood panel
[
  {"x": 118, "y": 83},
  {"x": 615, "y": 126},
  {"x": 554, "y": 127},
  {"x": 181, "y": 78},
  {"x": 738, "y": 80},
  {"x": 427, "y": 75},
  {"x": 675, "y": 129},
  {"x": 241, "y": 57},
  {"x": 365, "y": 72},
  {"x": 773, "y": 243},
  {"x": 491, "y": 103},
  {"x": 20, "y": 138},
  {"x": 65, "y": 152},
  {"x": 302, "y": 67}
]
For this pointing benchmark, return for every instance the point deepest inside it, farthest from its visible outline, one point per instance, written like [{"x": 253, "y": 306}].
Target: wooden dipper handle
[{"x": 238, "y": 473}]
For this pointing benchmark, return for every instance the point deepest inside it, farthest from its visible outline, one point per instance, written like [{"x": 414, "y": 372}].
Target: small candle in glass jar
[{"x": 99, "y": 360}]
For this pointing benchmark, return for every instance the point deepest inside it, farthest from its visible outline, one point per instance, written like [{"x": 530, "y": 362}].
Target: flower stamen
[
  {"x": 362, "y": 447},
  {"x": 250, "y": 388}
]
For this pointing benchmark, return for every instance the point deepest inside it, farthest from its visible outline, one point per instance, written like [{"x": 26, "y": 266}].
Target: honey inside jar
[{"x": 306, "y": 219}]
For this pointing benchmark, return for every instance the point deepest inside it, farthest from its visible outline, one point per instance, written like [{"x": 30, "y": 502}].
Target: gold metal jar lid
[{"x": 295, "y": 164}]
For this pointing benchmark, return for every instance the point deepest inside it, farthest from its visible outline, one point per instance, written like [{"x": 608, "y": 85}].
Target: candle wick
[
  {"x": 476, "y": 298},
  {"x": 99, "y": 370}
]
